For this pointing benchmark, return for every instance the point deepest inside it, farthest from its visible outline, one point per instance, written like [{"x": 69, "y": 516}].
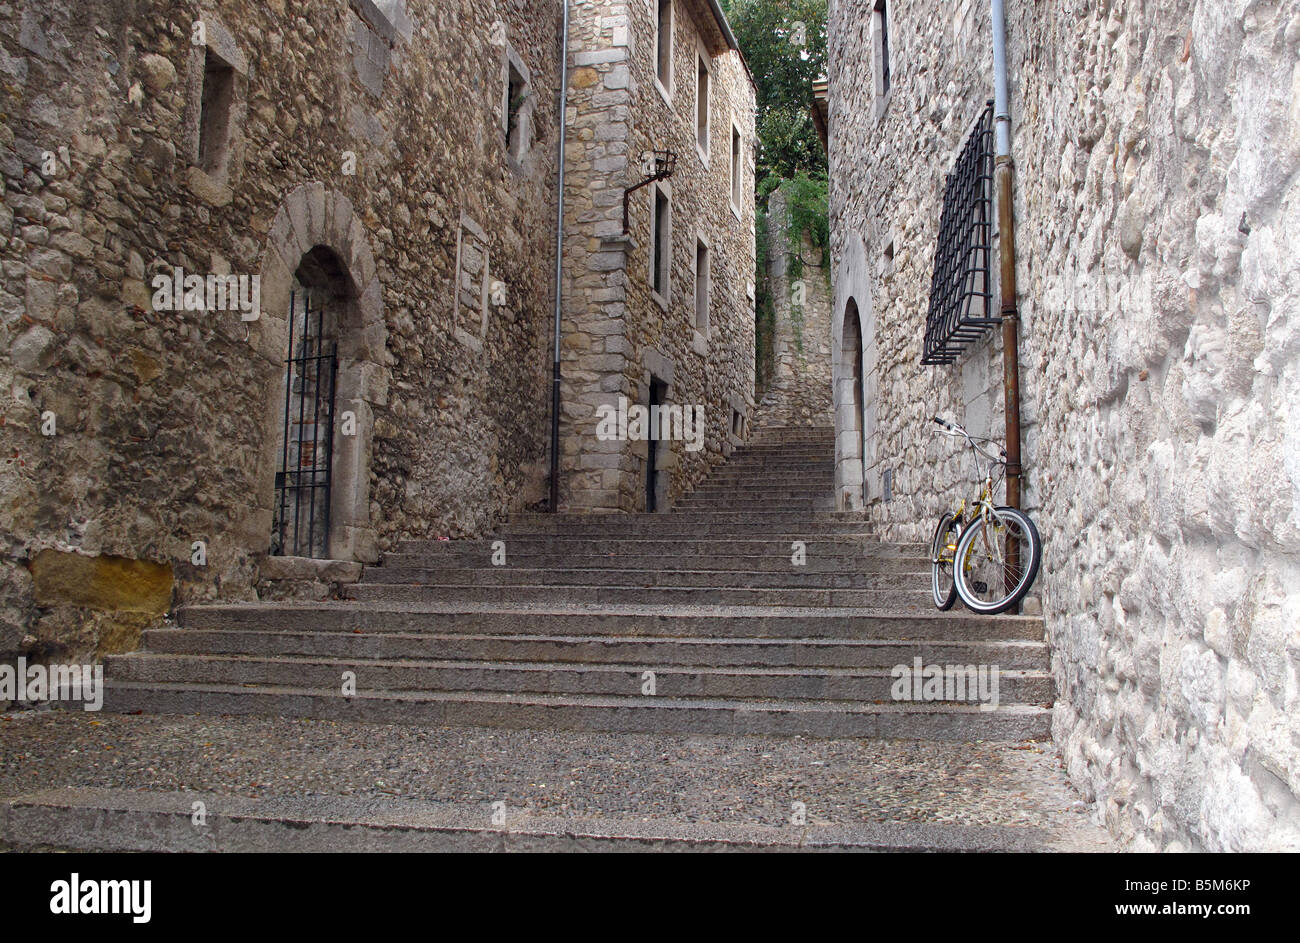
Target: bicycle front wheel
[
  {"x": 997, "y": 560},
  {"x": 942, "y": 550}
]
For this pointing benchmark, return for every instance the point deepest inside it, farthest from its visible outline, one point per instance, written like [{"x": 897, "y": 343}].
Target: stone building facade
[
  {"x": 798, "y": 392},
  {"x": 664, "y": 311},
  {"x": 1156, "y": 147},
  {"x": 390, "y": 167}
]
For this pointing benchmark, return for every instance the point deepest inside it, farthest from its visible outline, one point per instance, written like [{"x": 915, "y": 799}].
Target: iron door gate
[{"x": 302, "y": 507}]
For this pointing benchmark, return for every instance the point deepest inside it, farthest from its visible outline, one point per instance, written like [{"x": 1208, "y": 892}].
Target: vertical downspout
[
  {"x": 1007, "y": 253},
  {"x": 559, "y": 265}
]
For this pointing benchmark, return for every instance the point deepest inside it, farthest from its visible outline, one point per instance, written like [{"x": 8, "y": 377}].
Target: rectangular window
[
  {"x": 661, "y": 244},
  {"x": 214, "y": 116},
  {"x": 737, "y": 166},
  {"x": 664, "y": 44},
  {"x": 702, "y": 286},
  {"x": 516, "y": 93},
  {"x": 881, "y": 18},
  {"x": 702, "y": 108}
]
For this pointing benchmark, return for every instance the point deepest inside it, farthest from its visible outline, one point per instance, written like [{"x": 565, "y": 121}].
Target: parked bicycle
[{"x": 985, "y": 554}]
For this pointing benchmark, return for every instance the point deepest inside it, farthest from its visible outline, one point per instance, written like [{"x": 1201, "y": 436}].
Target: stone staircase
[{"x": 694, "y": 621}]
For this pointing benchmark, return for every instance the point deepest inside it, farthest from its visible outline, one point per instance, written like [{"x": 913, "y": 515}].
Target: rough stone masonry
[
  {"x": 1156, "y": 150},
  {"x": 395, "y": 160}
]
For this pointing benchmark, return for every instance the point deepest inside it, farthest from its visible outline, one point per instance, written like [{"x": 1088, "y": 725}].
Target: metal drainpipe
[
  {"x": 1007, "y": 252},
  {"x": 559, "y": 266}
]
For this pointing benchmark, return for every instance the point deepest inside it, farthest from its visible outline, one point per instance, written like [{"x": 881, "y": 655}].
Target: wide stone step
[
  {"x": 759, "y": 471},
  {"x": 759, "y": 517},
  {"x": 823, "y": 719},
  {"x": 815, "y": 561},
  {"x": 669, "y": 595},
  {"x": 848, "y": 545},
  {"x": 378, "y": 675},
  {"x": 819, "y": 468},
  {"x": 792, "y": 492},
  {"x": 698, "y": 526},
  {"x": 759, "y": 500},
  {"x": 740, "y": 503},
  {"x": 647, "y": 652},
  {"x": 764, "y": 622},
  {"x": 121, "y": 820},
  {"x": 795, "y": 578},
  {"x": 811, "y": 451}
]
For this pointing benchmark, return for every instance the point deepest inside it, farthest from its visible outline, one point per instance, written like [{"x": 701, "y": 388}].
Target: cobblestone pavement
[{"x": 736, "y": 780}]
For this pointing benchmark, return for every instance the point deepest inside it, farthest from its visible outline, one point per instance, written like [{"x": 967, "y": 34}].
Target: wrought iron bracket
[{"x": 665, "y": 165}]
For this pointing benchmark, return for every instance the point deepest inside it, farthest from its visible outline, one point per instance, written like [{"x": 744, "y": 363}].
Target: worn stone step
[
  {"x": 822, "y": 719},
  {"x": 765, "y": 471},
  {"x": 760, "y": 622},
  {"x": 758, "y": 472},
  {"x": 379, "y": 675},
  {"x": 121, "y": 820},
  {"x": 555, "y": 577},
  {"x": 740, "y": 501},
  {"x": 643, "y": 651},
  {"x": 786, "y": 450},
  {"x": 762, "y": 499},
  {"x": 699, "y": 524},
  {"x": 759, "y": 517},
  {"x": 683, "y": 547},
  {"x": 814, "y": 562},
  {"x": 893, "y": 598}
]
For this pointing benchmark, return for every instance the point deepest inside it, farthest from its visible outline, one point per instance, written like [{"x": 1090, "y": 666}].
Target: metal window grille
[
  {"x": 302, "y": 507},
  {"x": 961, "y": 300}
]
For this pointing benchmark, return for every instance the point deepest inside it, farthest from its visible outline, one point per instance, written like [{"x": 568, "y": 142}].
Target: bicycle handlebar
[{"x": 954, "y": 429}]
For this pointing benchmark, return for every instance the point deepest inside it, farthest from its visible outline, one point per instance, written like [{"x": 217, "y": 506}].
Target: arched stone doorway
[
  {"x": 318, "y": 267},
  {"x": 849, "y": 402}
]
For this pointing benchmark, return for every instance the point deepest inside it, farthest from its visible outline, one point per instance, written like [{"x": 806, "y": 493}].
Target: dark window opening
[
  {"x": 735, "y": 167},
  {"x": 516, "y": 94},
  {"x": 702, "y": 108},
  {"x": 882, "y": 24},
  {"x": 664, "y": 52},
  {"x": 661, "y": 243},
  {"x": 214, "y": 116},
  {"x": 658, "y": 392},
  {"x": 701, "y": 286}
]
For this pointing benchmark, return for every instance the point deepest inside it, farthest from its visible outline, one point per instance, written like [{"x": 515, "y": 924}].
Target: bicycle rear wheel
[
  {"x": 999, "y": 554},
  {"x": 942, "y": 552}
]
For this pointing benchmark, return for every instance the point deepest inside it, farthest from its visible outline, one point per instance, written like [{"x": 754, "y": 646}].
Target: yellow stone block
[{"x": 105, "y": 582}]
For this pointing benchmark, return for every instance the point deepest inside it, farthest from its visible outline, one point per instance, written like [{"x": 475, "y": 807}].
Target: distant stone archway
[
  {"x": 849, "y": 404},
  {"x": 853, "y": 375},
  {"x": 316, "y": 238}
]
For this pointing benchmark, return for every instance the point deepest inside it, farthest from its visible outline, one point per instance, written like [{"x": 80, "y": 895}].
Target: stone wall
[
  {"x": 799, "y": 388},
  {"x": 618, "y": 334},
  {"x": 133, "y": 435},
  {"x": 1157, "y": 206}
]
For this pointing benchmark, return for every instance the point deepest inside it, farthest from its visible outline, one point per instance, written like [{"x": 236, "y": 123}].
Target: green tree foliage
[{"x": 784, "y": 42}]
